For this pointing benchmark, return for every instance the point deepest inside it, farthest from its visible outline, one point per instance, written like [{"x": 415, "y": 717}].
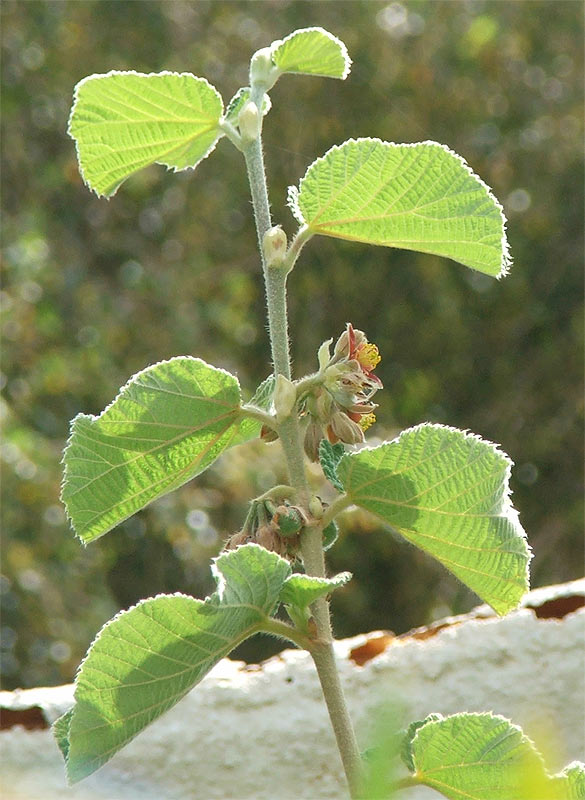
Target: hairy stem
[
  {"x": 285, "y": 631},
  {"x": 289, "y": 433},
  {"x": 337, "y": 506}
]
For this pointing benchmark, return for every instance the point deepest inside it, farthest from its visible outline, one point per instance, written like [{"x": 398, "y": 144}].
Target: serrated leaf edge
[
  {"x": 293, "y": 191},
  {"x": 316, "y": 29},
  {"x": 101, "y": 76},
  {"x": 95, "y": 641},
  {"x": 508, "y": 510},
  {"x": 94, "y": 417},
  {"x": 220, "y": 588},
  {"x": 482, "y": 714}
]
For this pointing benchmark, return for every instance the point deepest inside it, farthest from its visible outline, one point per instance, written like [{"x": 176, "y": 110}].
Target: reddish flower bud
[{"x": 346, "y": 429}]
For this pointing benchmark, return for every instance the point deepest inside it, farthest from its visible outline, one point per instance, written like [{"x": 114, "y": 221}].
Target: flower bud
[
  {"x": 316, "y": 507},
  {"x": 266, "y": 537},
  {"x": 345, "y": 429},
  {"x": 323, "y": 355},
  {"x": 249, "y": 122},
  {"x": 289, "y": 520},
  {"x": 349, "y": 340},
  {"x": 342, "y": 346},
  {"x": 285, "y": 396},
  {"x": 274, "y": 246},
  {"x": 323, "y": 406},
  {"x": 313, "y": 436},
  {"x": 261, "y": 68},
  {"x": 241, "y": 537}
]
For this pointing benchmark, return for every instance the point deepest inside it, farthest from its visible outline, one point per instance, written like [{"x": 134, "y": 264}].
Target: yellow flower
[
  {"x": 366, "y": 421},
  {"x": 368, "y": 356}
]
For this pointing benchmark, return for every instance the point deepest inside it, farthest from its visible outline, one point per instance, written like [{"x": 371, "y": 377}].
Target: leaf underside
[
  {"x": 447, "y": 492},
  {"x": 329, "y": 457},
  {"x": 147, "y": 658},
  {"x": 419, "y": 197},
  {"x": 167, "y": 424},
  {"x": 484, "y": 757},
  {"x": 124, "y": 121},
  {"x": 302, "y": 590},
  {"x": 312, "y": 51}
]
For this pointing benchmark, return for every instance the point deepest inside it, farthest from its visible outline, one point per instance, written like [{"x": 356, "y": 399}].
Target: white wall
[{"x": 255, "y": 733}]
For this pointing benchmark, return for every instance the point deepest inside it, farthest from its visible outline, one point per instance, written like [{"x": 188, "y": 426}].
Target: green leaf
[
  {"x": 238, "y": 101},
  {"x": 61, "y": 732},
  {"x": 570, "y": 783},
  {"x": 302, "y": 590},
  {"x": 167, "y": 424},
  {"x": 262, "y": 399},
  {"x": 123, "y": 121},
  {"x": 418, "y": 197},
  {"x": 312, "y": 51},
  {"x": 479, "y": 757},
  {"x": 330, "y": 535},
  {"x": 147, "y": 658},
  {"x": 329, "y": 457},
  {"x": 406, "y": 748},
  {"x": 447, "y": 492}
]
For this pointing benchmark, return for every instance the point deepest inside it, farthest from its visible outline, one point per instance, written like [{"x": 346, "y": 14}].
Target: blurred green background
[{"x": 94, "y": 290}]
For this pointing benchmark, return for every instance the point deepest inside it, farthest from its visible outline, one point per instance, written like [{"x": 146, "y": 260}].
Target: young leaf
[
  {"x": 147, "y": 658},
  {"x": 302, "y": 590},
  {"x": 418, "y": 197},
  {"x": 262, "y": 399},
  {"x": 447, "y": 492},
  {"x": 238, "y": 101},
  {"x": 167, "y": 424},
  {"x": 479, "y": 757},
  {"x": 123, "y": 121},
  {"x": 330, "y": 535},
  {"x": 329, "y": 457},
  {"x": 312, "y": 51}
]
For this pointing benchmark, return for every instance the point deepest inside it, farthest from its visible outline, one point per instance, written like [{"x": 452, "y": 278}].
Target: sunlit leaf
[
  {"x": 570, "y": 783},
  {"x": 167, "y": 424},
  {"x": 312, "y": 51},
  {"x": 262, "y": 399},
  {"x": 61, "y": 732},
  {"x": 238, "y": 101},
  {"x": 147, "y": 658},
  {"x": 123, "y": 121},
  {"x": 418, "y": 197},
  {"x": 302, "y": 590},
  {"x": 447, "y": 492},
  {"x": 479, "y": 757}
]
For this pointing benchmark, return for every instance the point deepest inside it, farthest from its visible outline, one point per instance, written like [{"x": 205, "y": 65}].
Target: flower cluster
[{"x": 340, "y": 406}]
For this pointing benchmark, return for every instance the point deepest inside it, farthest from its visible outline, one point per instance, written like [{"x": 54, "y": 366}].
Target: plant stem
[
  {"x": 311, "y": 540},
  {"x": 337, "y": 506}
]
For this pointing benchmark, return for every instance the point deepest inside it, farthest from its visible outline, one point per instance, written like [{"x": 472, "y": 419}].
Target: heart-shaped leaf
[
  {"x": 418, "y": 197},
  {"x": 147, "y": 658},
  {"x": 123, "y": 121},
  {"x": 447, "y": 492},
  {"x": 167, "y": 424}
]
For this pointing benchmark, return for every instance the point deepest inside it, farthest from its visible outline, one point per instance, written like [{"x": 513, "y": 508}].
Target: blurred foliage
[{"x": 94, "y": 290}]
